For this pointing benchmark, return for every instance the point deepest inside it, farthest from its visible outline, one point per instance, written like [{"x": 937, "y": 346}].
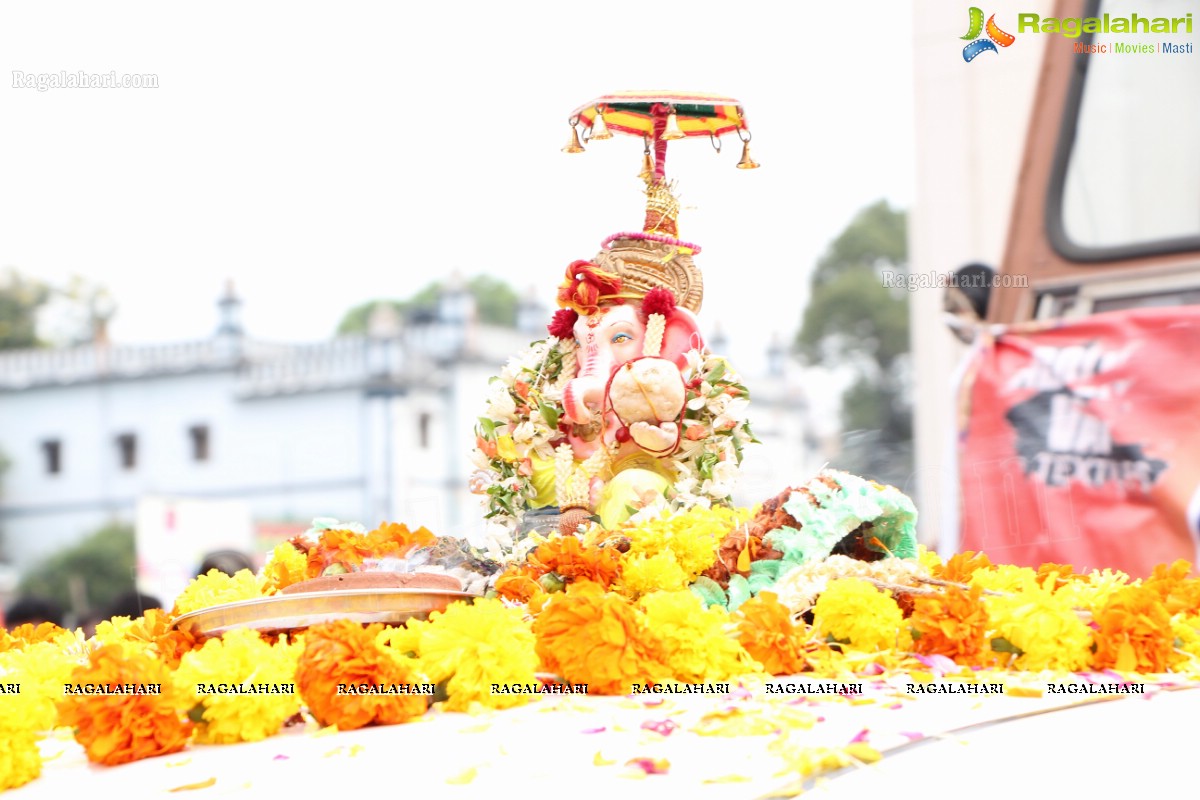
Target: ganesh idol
[{"x": 623, "y": 409}]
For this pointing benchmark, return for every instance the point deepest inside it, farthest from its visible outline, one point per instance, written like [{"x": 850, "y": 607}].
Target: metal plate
[{"x": 290, "y": 612}]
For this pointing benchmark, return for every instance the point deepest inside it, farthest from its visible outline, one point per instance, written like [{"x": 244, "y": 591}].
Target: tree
[
  {"x": 495, "y": 302},
  {"x": 853, "y": 322},
  {"x": 20, "y": 300},
  {"x": 102, "y": 566}
]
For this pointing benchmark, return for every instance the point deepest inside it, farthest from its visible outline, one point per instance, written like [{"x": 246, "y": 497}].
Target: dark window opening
[
  {"x": 127, "y": 450},
  {"x": 200, "y": 442},
  {"x": 52, "y": 453},
  {"x": 423, "y": 430}
]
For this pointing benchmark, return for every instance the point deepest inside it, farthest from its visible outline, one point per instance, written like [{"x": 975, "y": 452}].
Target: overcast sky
[{"x": 322, "y": 155}]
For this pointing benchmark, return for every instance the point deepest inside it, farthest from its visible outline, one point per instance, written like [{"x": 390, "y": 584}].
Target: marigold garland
[
  {"x": 953, "y": 624},
  {"x": 285, "y": 566},
  {"x": 120, "y": 728},
  {"x": 697, "y": 642},
  {"x": 215, "y": 588},
  {"x": 351, "y": 549},
  {"x": 590, "y": 636},
  {"x": 961, "y": 566},
  {"x": 568, "y": 558},
  {"x": 152, "y": 632},
  {"x": 1040, "y": 629},
  {"x": 1133, "y": 632},
  {"x": 240, "y": 657},
  {"x": 346, "y": 653},
  {"x": 20, "y": 759},
  {"x": 471, "y": 647},
  {"x": 766, "y": 631},
  {"x": 853, "y": 612},
  {"x": 41, "y": 664},
  {"x": 643, "y": 575}
]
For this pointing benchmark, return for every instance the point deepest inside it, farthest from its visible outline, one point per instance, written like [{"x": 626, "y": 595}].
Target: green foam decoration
[{"x": 709, "y": 591}]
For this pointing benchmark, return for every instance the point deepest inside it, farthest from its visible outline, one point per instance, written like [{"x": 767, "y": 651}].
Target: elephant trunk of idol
[{"x": 583, "y": 398}]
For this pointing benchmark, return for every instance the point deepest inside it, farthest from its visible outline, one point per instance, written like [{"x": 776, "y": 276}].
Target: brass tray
[{"x": 281, "y": 613}]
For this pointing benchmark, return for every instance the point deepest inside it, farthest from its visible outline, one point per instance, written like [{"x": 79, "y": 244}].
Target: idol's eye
[{"x": 621, "y": 338}]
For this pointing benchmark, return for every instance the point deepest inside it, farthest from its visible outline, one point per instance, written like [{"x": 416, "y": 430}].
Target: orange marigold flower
[
  {"x": 953, "y": 623},
  {"x": 570, "y": 560},
  {"x": 1050, "y": 576},
  {"x": 766, "y": 630},
  {"x": 518, "y": 584},
  {"x": 154, "y": 630},
  {"x": 27, "y": 634},
  {"x": 345, "y": 652},
  {"x": 961, "y": 566},
  {"x": 389, "y": 540},
  {"x": 599, "y": 638},
  {"x": 120, "y": 728},
  {"x": 1133, "y": 632},
  {"x": 1179, "y": 593},
  {"x": 405, "y": 540}
]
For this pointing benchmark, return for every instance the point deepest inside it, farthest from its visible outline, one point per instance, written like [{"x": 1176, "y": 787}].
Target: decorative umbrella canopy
[
  {"x": 633, "y": 112},
  {"x": 658, "y": 117}
]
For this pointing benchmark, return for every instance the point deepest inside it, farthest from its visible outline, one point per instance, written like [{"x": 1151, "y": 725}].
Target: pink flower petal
[
  {"x": 665, "y": 727},
  {"x": 601, "y": 729},
  {"x": 912, "y": 736},
  {"x": 939, "y": 664},
  {"x": 650, "y": 766},
  {"x": 861, "y": 736}
]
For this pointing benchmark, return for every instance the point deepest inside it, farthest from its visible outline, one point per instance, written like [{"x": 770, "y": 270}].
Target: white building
[{"x": 367, "y": 428}]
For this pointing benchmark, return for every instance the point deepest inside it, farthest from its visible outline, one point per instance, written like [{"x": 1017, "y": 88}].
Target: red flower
[
  {"x": 586, "y": 285},
  {"x": 563, "y": 324}
]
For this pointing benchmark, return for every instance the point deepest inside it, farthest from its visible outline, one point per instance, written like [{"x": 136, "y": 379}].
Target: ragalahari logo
[{"x": 995, "y": 36}]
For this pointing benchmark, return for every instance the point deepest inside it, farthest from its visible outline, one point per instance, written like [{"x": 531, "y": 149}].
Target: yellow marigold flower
[
  {"x": 241, "y": 658},
  {"x": 20, "y": 760},
  {"x": 643, "y": 574},
  {"x": 1095, "y": 591},
  {"x": 929, "y": 559},
  {"x": 698, "y": 643},
  {"x": 472, "y": 647},
  {"x": 217, "y": 588},
  {"x": 1186, "y": 631},
  {"x": 691, "y": 536},
  {"x": 853, "y": 612},
  {"x": 1005, "y": 578},
  {"x": 41, "y": 668},
  {"x": 1047, "y": 631},
  {"x": 286, "y": 565}
]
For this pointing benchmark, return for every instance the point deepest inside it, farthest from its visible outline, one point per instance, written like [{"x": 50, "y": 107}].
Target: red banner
[{"x": 1082, "y": 442}]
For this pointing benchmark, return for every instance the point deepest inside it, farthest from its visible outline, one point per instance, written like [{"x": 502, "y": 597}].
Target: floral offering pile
[{"x": 612, "y": 610}]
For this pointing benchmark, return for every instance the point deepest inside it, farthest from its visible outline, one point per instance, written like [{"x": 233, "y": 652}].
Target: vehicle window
[{"x": 1132, "y": 172}]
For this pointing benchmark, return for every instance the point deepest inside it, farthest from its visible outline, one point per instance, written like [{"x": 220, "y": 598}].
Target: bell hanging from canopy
[
  {"x": 573, "y": 145},
  {"x": 599, "y": 127},
  {"x": 672, "y": 130}
]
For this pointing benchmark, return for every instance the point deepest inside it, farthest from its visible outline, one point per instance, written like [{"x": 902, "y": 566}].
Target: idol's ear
[{"x": 682, "y": 334}]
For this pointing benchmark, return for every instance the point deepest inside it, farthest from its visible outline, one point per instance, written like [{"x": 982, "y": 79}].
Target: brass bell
[
  {"x": 573, "y": 145},
  {"x": 647, "y": 167},
  {"x": 599, "y": 128},
  {"x": 672, "y": 131},
  {"x": 747, "y": 162}
]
